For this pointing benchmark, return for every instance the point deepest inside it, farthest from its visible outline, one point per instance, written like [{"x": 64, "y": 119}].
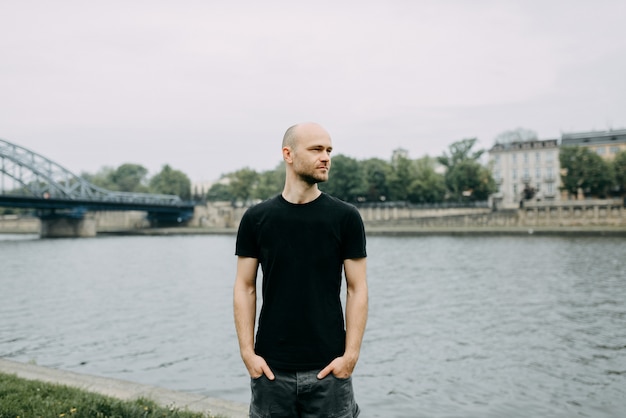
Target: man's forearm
[
  {"x": 244, "y": 303},
  {"x": 245, "y": 314},
  {"x": 356, "y": 319}
]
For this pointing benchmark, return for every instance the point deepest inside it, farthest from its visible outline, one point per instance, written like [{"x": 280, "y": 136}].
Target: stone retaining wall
[
  {"x": 505, "y": 218},
  {"x": 383, "y": 213},
  {"x": 13, "y": 224},
  {"x": 574, "y": 213},
  {"x": 605, "y": 213},
  {"x": 105, "y": 222}
]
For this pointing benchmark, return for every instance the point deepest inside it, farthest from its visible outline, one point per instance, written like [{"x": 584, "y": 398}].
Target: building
[
  {"x": 605, "y": 143},
  {"x": 525, "y": 170}
]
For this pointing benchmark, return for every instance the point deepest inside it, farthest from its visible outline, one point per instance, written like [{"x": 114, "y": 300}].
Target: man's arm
[
  {"x": 356, "y": 318},
  {"x": 244, "y": 305}
]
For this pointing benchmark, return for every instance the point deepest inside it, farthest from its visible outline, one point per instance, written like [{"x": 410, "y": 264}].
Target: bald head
[{"x": 301, "y": 130}]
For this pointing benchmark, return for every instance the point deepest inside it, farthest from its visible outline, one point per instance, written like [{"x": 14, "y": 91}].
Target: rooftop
[
  {"x": 594, "y": 138},
  {"x": 521, "y": 145}
]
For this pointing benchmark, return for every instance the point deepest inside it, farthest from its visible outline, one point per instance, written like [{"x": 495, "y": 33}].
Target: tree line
[
  {"x": 455, "y": 176},
  {"x": 134, "y": 178},
  {"x": 583, "y": 170}
]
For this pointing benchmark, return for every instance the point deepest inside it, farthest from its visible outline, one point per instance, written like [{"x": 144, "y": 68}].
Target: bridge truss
[{"x": 30, "y": 180}]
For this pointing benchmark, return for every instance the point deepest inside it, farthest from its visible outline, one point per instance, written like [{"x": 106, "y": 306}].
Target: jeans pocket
[{"x": 341, "y": 379}]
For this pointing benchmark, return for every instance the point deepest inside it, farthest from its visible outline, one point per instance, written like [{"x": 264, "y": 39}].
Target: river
[{"x": 458, "y": 326}]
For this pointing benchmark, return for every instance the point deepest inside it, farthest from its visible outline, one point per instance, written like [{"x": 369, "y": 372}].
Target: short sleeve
[
  {"x": 246, "y": 245},
  {"x": 354, "y": 241}
]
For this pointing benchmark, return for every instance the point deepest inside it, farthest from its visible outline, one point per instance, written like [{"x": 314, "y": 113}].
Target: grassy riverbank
[{"x": 21, "y": 398}]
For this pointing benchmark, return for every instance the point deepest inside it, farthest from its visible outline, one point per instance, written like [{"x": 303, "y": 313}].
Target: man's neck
[{"x": 300, "y": 192}]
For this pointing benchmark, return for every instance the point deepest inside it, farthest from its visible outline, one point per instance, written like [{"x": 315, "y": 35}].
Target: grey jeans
[{"x": 302, "y": 395}]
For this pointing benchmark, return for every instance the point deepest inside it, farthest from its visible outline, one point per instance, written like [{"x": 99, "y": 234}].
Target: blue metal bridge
[{"x": 30, "y": 180}]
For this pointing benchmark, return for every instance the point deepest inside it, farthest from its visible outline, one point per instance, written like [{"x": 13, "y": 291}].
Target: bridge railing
[{"x": 43, "y": 178}]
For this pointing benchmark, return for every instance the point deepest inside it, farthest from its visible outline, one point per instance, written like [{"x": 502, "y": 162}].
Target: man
[{"x": 302, "y": 363}]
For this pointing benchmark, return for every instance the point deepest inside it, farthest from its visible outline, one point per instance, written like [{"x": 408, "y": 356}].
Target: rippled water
[{"x": 458, "y": 326}]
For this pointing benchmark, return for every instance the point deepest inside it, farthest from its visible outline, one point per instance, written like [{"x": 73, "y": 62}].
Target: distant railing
[
  {"x": 574, "y": 203},
  {"x": 409, "y": 205}
]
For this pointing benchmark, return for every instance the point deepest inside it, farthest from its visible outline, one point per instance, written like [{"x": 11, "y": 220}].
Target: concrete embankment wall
[
  {"x": 115, "y": 221},
  {"x": 474, "y": 219},
  {"x": 610, "y": 213},
  {"x": 223, "y": 215},
  {"x": 104, "y": 222},
  {"x": 13, "y": 224},
  {"x": 590, "y": 216},
  {"x": 578, "y": 216},
  {"x": 589, "y": 213}
]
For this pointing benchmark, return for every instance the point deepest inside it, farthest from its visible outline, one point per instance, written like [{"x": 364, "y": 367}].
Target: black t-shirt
[{"x": 301, "y": 249}]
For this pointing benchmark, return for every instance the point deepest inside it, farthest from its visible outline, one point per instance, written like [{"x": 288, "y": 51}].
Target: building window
[
  {"x": 514, "y": 158},
  {"x": 614, "y": 150},
  {"x": 538, "y": 173},
  {"x": 525, "y": 158},
  {"x": 550, "y": 156},
  {"x": 538, "y": 156},
  {"x": 600, "y": 150},
  {"x": 550, "y": 188},
  {"x": 514, "y": 174}
]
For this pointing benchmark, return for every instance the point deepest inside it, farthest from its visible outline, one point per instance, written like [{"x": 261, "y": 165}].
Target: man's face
[{"x": 311, "y": 156}]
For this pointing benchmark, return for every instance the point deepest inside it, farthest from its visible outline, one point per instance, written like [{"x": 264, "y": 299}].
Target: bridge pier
[{"x": 68, "y": 227}]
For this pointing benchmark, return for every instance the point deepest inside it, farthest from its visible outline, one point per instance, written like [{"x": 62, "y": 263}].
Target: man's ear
[{"x": 287, "y": 155}]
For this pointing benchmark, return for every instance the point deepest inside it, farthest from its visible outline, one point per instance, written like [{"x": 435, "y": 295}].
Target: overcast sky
[{"x": 210, "y": 86}]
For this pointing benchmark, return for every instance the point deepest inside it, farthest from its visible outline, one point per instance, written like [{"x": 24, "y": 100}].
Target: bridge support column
[{"x": 68, "y": 227}]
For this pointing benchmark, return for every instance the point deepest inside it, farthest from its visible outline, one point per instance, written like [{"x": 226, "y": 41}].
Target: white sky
[{"x": 209, "y": 87}]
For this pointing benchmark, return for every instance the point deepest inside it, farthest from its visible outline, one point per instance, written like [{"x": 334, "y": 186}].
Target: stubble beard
[
  {"x": 313, "y": 177},
  {"x": 310, "y": 175}
]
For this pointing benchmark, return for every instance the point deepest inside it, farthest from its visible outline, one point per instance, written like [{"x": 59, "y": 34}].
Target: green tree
[
  {"x": 170, "y": 181},
  {"x": 219, "y": 192},
  {"x": 346, "y": 180},
  {"x": 103, "y": 178},
  {"x": 126, "y": 178},
  {"x": 130, "y": 178},
  {"x": 471, "y": 181},
  {"x": 377, "y": 173},
  {"x": 403, "y": 173},
  {"x": 584, "y": 170},
  {"x": 465, "y": 177},
  {"x": 619, "y": 169},
  {"x": 270, "y": 182},
  {"x": 460, "y": 151},
  {"x": 428, "y": 185},
  {"x": 242, "y": 184}
]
